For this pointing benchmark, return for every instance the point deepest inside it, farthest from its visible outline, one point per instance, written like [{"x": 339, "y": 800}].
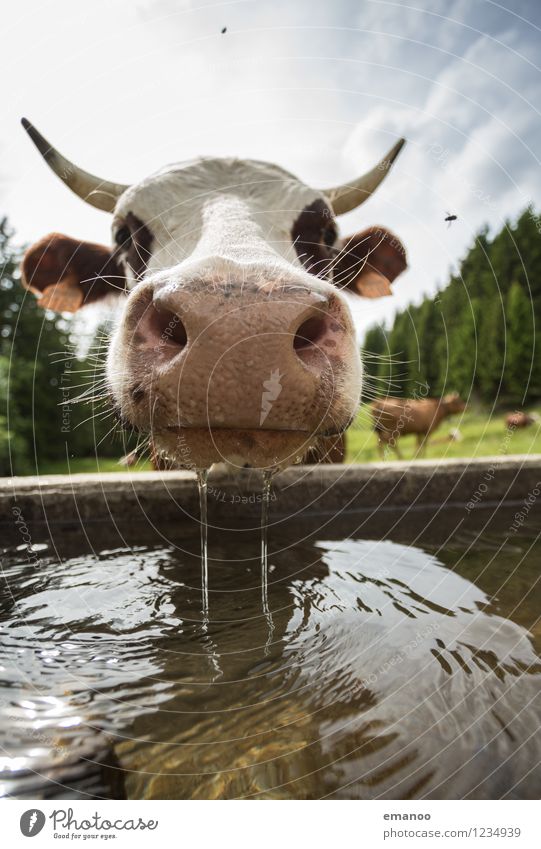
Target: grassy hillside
[
  {"x": 482, "y": 435},
  {"x": 87, "y": 464}
]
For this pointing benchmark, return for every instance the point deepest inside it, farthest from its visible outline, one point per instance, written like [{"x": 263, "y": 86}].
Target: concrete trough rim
[
  {"x": 329, "y": 470},
  {"x": 317, "y": 490}
]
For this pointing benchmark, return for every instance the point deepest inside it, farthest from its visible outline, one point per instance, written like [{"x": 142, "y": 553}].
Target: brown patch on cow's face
[
  {"x": 366, "y": 262},
  {"x": 314, "y": 234},
  {"x": 134, "y": 243}
]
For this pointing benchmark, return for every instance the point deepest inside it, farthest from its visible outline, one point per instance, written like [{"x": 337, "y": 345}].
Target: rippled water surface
[{"x": 382, "y": 670}]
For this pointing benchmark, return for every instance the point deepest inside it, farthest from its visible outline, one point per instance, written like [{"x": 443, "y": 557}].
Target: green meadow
[{"x": 481, "y": 432}]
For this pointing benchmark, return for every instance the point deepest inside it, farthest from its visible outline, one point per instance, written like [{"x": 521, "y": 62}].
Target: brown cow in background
[
  {"x": 520, "y": 419},
  {"x": 396, "y": 417}
]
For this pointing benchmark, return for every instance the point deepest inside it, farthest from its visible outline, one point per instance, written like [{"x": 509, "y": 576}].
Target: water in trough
[{"x": 332, "y": 666}]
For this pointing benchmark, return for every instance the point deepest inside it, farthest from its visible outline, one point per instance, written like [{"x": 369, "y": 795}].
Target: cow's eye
[
  {"x": 122, "y": 236},
  {"x": 329, "y": 235}
]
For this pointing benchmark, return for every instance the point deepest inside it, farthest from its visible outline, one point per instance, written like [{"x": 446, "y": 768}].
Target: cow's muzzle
[{"x": 247, "y": 374}]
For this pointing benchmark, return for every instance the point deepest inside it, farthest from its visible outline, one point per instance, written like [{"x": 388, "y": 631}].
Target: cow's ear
[
  {"x": 67, "y": 274},
  {"x": 369, "y": 261}
]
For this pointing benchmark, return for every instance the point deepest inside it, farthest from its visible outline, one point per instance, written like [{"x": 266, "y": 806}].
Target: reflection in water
[
  {"x": 265, "y": 504},
  {"x": 387, "y": 673},
  {"x": 202, "y": 485}
]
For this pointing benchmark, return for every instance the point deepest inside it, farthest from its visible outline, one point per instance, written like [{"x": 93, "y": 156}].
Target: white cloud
[
  {"x": 474, "y": 148},
  {"x": 323, "y": 89}
]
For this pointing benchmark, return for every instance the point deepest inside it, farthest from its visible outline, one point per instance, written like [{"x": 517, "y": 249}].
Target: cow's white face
[
  {"x": 235, "y": 342},
  {"x": 227, "y": 347},
  {"x": 239, "y": 209}
]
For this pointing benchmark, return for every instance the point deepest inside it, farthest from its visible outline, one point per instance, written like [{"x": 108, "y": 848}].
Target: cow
[
  {"x": 235, "y": 342},
  {"x": 396, "y": 417},
  {"x": 520, "y": 419}
]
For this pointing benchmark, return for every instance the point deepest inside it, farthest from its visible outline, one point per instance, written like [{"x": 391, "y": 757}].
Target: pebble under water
[{"x": 363, "y": 669}]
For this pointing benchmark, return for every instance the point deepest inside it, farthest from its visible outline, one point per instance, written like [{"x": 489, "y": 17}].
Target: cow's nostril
[
  {"x": 168, "y": 326},
  {"x": 137, "y": 394},
  {"x": 310, "y": 332}
]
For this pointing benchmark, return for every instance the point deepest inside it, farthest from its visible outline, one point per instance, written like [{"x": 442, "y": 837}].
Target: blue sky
[{"x": 321, "y": 88}]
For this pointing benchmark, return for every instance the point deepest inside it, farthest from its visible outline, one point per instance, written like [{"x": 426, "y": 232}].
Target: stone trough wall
[{"x": 153, "y": 497}]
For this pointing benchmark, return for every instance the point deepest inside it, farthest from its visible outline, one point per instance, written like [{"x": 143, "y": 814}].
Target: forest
[{"x": 479, "y": 335}]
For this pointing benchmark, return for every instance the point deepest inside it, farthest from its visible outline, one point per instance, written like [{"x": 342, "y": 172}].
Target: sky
[{"x": 322, "y": 88}]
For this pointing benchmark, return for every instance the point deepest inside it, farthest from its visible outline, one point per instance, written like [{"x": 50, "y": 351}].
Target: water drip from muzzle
[
  {"x": 202, "y": 479},
  {"x": 265, "y": 501}
]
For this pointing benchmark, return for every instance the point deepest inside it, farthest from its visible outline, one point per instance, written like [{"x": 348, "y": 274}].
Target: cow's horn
[
  {"x": 348, "y": 196},
  {"x": 100, "y": 193}
]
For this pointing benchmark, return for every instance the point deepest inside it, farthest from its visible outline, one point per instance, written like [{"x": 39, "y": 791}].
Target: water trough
[
  {"x": 380, "y": 496},
  {"x": 395, "y": 651}
]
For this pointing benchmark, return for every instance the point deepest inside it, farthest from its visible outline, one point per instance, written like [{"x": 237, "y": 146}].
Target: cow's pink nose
[
  {"x": 244, "y": 356},
  {"x": 164, "y": 327},
  {"x": 168, "y": 323}
]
